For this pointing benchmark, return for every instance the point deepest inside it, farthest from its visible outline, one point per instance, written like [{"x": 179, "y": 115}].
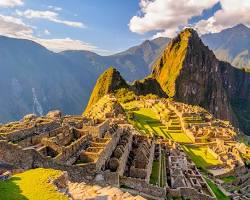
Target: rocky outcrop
[{"x": 189, "y": 72}]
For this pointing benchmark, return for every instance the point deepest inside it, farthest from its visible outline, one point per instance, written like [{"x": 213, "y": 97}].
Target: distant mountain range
[
  {"x": 231, "y": 45},
  {"x": 36, "y": 80}
]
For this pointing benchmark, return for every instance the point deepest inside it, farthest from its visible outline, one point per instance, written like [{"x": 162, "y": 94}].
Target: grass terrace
[
  {"x": 146, "y": 120},
  {"x": 158, "y": 174},
  {"x": 154, "y": 178},
  {"x": 218, "y": 193},
  {"x": 200, "y": 156},
  {"x": 33, "y": 185}
]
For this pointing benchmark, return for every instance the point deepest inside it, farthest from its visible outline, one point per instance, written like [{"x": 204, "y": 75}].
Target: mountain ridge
[{"x": 231, "y": 45}]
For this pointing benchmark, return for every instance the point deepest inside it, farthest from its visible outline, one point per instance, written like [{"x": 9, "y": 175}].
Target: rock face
[
  {"x": 108, "y": 82},
  {"x": 189, "y": 72},
  {"x": 148, "y": 86}
]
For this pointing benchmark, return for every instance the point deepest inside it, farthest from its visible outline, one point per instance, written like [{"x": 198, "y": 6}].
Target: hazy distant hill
[
  {"x": 34, "y": 79},
  {"x": 232, "y": 45},
  {"x": 134, "y": 63}
]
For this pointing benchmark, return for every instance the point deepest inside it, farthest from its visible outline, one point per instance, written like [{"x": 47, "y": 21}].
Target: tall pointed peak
[
  {"x": 167, "y": 67},
  {"x": 185, "y": 49},
  {"x": 108, "y": 82}
]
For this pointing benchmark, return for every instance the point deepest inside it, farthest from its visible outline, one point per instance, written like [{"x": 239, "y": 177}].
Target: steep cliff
[{"x": 189, "y": 72}]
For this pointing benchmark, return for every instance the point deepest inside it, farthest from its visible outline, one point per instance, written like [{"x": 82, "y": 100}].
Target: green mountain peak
[{"x": 108, "y": 82}]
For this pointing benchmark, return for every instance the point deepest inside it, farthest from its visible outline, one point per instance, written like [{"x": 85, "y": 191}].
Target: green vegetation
[
  {"x": 200, "y": 156},
  {"x": 228, "y": 179},
  {"x": 158, "y": 174},
  {"x": 32, "y": 184},
  {"x": 147, "y": 121},
  {"x": 163, "y": 170},
  {"x": 125, "y": 95},
  {"x": 154, "y": 178},
  {"x": 108, "y": 82},
  {"x": 218, "y": 193},
  {"x": 168, "y": 67}
]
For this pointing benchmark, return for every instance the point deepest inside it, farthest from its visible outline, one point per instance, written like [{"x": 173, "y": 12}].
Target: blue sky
[{"x": 108, "y": 26}]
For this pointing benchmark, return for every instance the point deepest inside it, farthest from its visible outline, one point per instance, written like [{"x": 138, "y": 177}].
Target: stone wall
[
  {"x": 108, "y": 150},
  {"x": 189, "y": 193},
  {"x": 30, "y": 158},
  {"x": 124, "y": 157},
  {"x": 112, "y": 178},
  {"x": 19, "y": 135},
  {"x": 150, "y": 162},
  {"x": 97, "y": 130},
  {"x": 142, "y": 186},
  {"x": 73, "y": 148}
]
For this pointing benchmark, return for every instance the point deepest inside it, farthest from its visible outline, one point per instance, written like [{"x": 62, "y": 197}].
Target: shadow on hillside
[
  {"x": 9, "y": 190},
  {"x": 145, "y": 118}
]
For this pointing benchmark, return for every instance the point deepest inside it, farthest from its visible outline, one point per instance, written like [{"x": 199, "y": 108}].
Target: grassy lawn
[
  {"x": 154, "y": 178},
  {"x": 32, "y": 185},
  {"x": 158, "y": 174},
  {"x": 200, "y": 156},
  {"x": 228, "y": 179},
  {"x": 163, "y": 170},
  {"x": 218, "y": 193}
]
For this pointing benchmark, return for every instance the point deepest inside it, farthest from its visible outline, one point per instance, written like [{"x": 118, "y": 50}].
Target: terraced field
[
  {"x": 200, "y": 156},
  {"x": 146, "y": 120}
]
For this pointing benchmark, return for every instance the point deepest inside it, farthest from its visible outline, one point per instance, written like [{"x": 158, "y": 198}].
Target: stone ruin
[
  {"x": 103, "y": 151},
  {"x": 183, "y": 177}
]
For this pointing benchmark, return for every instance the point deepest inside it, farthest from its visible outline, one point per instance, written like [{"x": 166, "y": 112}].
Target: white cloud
[
  {"x": 66, "y": 44},
  {"x": 232, "y": 13},
  {"x": 55, "y": 8},
  {"x": 14, "y": 27},
  {"x": 48, "y": 15},
  {"x": 166, "y": 16},
  {"x": 46, "y": 32},
  {"x": 10, "y": 3},
  {"x": 11, "y": 26}
]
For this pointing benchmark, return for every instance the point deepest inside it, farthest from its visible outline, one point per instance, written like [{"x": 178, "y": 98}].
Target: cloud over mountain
[
  {"x": 166, "y": 15},
  {"x": 236, "y": 11}
]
